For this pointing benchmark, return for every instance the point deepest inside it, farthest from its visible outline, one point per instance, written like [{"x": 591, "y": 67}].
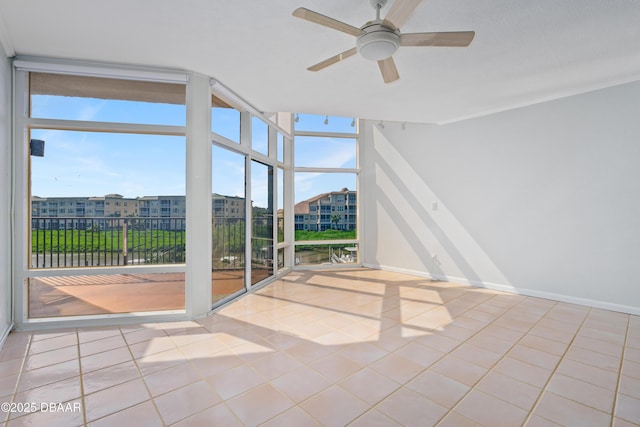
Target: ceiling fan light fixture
[
  {"x": 379, "y": 39},
  {"x": 377, "y": 42}
]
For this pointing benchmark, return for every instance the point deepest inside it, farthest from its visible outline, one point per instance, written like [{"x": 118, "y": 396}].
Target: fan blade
[
  {"x": 334, "y": 59},
  {"x": 448, "y": 39},
  {"x": 317, "y": 18},
  {"x": 388, "y": 70},
  {"x": 400, "y": 12}
]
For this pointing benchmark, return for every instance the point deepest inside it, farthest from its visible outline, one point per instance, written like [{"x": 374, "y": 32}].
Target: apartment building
[
  {"x": 224, "y": 207},
  {"x": 333, "y": 210},
  {"x": 111, "y": 205},
  {"x": 71, "y": 212},
  {"x": 116, "y": 206},
  {"x": 162, "y": 206}
]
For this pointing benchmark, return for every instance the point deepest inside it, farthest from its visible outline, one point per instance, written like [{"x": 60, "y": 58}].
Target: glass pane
[
  {"x": 106, "y": 100},
  {"x": 326, "y": 206},
  {"x": 316, "y": 123},
  {"x": 107, "y": 199},
  {"x": 325, "y": 152},
  {"x": 326, "y": 254},
  {"x": 280, "y": 258},
  {"x": 61, "y": 237},
  {"x": 226, "y": 122},
  {"x": 104, "y": 199},
  {"x": 88, "y": 295},
  {"x": 280, "y": 147},
  {"x": 262, "y": 222},
  {"x": 95, "y": 164},
  {"x": 280, "y": 205},
  {"x": 259, "y": 136},
  {"x": 228, "y": 228}
]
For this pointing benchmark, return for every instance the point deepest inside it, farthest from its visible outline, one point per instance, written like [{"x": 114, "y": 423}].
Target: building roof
[
  {"x": 223, "y": 196},
  {"x": 302, "y": 208}
]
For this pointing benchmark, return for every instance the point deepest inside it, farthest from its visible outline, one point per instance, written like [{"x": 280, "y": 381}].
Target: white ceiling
[{"x": 525, "y": 51}]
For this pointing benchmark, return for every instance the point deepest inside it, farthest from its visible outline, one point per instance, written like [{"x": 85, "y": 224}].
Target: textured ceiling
[{"x": 525, "y": 51}]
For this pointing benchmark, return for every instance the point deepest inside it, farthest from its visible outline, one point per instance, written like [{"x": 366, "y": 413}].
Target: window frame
[
  {"x": 277, "y": 126},
  {"x": 356, "y": 172},
  {"x": 23, "y": 123}
]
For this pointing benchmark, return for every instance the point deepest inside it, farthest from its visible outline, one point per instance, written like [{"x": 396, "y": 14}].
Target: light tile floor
[{"x": 348, "y": 347}]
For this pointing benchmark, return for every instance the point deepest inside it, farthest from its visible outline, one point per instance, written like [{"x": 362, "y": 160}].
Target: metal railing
[
  {"x": 262, "y": 239},
  {"x": 58, "y": 242},
  {"x": 228, "y": 241}
]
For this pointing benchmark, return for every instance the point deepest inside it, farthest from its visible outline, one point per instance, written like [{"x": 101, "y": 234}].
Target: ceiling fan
[{"x": 379, "y": 39}]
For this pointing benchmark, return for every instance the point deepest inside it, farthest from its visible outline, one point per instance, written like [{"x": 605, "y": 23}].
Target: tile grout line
[
  {"x": 22, "y": 370},
  {"x": 555, "y": 369},
  {"x": 447, "y": 354},
  {"x": 615, "y": 396},
  {"x": 141, "y": 376},
  {"x": 122, "y": 334},
  {"x": 400, "y": 386},
  {"x": 307, "y": 365},
  {"x": 434, "y": 362},
  {"x": 296, "y": 404},
  {"x": 222, "y": 400},
  {"x": 15, "y": 387},
  {"x": 84, "y": 409},
  {"x": 190, "y": 363},
  {"x": 20, "y": 374},
  {"x": 489, "y": 370}
]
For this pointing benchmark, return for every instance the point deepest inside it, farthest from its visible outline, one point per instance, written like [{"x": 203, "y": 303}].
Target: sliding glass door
[{"x": 228, "y": 208}]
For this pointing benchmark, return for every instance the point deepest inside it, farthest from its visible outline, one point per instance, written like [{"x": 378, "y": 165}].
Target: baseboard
[
  {"x": 5, "y": 334},
  {"x": 513, "y": 289}
]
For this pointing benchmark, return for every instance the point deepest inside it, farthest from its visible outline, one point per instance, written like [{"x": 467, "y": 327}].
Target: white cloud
[{"x": 90, "y": 112}]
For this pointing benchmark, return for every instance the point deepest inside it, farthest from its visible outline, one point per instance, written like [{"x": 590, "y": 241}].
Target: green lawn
[
  {"x": 149, "y": 240},
  {"x": 325, "y": 235},
  {"x": 103, "y": 241}
]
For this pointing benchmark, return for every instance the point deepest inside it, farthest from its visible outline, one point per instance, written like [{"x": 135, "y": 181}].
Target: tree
[{"x": 335, "y": 219}]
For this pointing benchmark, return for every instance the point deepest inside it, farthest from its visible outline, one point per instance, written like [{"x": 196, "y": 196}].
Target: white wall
[
  {"x": 543, "y": 200},
  {"x": 5, "y": 186}
]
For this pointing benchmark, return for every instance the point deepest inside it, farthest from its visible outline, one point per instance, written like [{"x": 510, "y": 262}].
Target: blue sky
[{"x": 78, "y": 164}]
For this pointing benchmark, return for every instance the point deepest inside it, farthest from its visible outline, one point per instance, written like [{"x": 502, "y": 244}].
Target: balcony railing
[
  {"x": 228, "y": 243},
  {"x": 58, "y": 242},
  {"x": 262, "y": 240}
]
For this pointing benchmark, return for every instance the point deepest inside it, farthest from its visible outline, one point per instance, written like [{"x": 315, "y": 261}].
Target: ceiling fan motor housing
[{"x": 377, "y": 42}]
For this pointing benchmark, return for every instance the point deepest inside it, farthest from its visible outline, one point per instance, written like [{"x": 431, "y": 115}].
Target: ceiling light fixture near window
[{"x": 326, "y": 120}]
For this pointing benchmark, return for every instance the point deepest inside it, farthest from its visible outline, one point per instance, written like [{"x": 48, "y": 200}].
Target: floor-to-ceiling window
[
  {"x": 114, "y": 213},
  {"x": 326, "y": 182},
  {"x": 248, "y": 201},
  {"x": 104, "y": 161}
]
